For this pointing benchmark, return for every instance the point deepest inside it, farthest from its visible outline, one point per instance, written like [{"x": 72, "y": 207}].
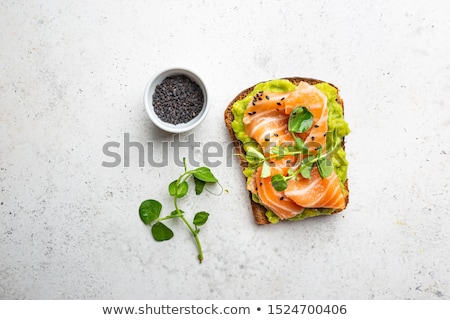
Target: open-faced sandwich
[{"x": 289, "y": 136}]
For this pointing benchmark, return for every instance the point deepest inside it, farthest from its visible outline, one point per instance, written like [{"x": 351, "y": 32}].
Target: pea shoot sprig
[
  {"x": 300, "y": 120},
  {"x": 150, "y": 209}
]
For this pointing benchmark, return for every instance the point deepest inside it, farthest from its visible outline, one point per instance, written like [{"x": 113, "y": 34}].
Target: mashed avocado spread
[{"x": 335, "y": 122}]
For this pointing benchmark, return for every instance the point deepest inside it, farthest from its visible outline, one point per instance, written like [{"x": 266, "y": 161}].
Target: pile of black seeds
[{"x": 177, "y": 99}]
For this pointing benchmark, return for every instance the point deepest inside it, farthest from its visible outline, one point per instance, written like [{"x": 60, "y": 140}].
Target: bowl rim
[{"x": 156, "y": 79}]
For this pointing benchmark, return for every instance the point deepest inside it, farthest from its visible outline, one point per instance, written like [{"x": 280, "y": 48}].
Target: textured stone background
[{"x": 72, "y": 76}]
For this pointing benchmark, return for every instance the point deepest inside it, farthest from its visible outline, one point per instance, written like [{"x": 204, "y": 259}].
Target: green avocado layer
[{"x": 335, "y": 122}]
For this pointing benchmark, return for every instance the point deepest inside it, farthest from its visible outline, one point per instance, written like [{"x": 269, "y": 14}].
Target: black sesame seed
[
  {"x": 275, "y": 134},
  {"x": 267, "y": 97},
  {"x": 282, "y": 99},
  {"x": 260, "y": 184},
  {"x": 316, "y": 126},
  {"x": 281, "y": 198},
  {"x": 312, "y": 138},
  {"x": 278, "y": 103},
  {"x": 177, "y": 99},
  {"x": 288, "y": 161},
  {"x": 254, "y": 112},
  {"x": 325, "y": 134}
]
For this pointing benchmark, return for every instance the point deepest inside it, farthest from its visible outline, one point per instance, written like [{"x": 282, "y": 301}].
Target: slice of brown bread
[{"x": 259, "y": 212}]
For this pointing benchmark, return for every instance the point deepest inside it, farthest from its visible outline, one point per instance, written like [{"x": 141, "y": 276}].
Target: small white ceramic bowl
[{"x": 148, "y": 100}]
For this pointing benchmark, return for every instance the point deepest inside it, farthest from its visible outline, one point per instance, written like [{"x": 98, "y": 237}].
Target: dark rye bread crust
[{"x": 259, "y": 212}]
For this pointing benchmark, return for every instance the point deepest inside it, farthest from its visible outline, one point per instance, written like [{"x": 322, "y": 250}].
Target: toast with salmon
[{"x": 289, "y": 136}]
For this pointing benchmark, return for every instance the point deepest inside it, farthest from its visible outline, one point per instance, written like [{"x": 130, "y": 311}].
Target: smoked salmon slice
[
  {"x": 309, "y": 96},
  {"x": 266, "y": 121},
  {"x": 276, "y": 201},
  {"x": 316, "y": 192}
]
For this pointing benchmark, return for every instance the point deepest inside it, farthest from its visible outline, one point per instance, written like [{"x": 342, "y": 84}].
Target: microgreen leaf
[
  {"x": 279, "y": 182},
  {"x": 200, "y": 218},
  {"x": 332, "y": 140},
  {"x": 325, "y": 167},
  {"x": 149, "y": 210},
  {"x": 300, "y": 120},
  {"x": 182, "y": 189},
  {"x": 299, "y": 143},
  {"x": 319, "y": 151},
  {"x": 173, "y": 188},
  {"x": 161, "y": 232},
  {"x": 265, "y": 171},
  {"x": 204, "y": 174},
  {"x": 307, "y": 164},
  {"x": 254, "y": 154},
  {"x": 178, "y": 213},
  {"x": 280, "y": 151},
  {"x": 275, "y": 150},
  {"x": 335, "y": 137},
  {"x": 199, "y": 186}
]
